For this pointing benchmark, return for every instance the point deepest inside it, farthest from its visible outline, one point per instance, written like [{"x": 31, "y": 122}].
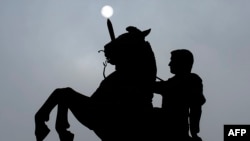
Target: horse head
[{"x": 130, "y": 52}]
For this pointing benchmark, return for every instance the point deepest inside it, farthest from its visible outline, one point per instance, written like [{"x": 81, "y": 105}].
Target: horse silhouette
[{"x": 121, "y": 107}]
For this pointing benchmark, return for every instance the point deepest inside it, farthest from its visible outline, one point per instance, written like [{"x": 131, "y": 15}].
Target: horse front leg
[
  {"x": 62, "y": 123},
  {"x": 58, "y": 97},
  {"x": 82, "y": 107},
  {"x": 42, "y": 116}
]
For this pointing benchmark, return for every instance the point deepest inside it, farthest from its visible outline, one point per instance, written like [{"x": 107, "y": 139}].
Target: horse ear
[
  {"x": 132, "y": 29},
  {"x": 146, "y": 32}
]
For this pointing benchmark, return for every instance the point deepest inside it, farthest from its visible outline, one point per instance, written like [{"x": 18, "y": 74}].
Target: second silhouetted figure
[{"x": 182, "y": 99}]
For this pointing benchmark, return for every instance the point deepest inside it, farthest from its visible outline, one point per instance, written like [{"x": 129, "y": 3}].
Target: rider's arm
[
  {"x": 197, "y": 100},
  {"x": 195, "y": 115},
  {"x": 160, "y": 87}
]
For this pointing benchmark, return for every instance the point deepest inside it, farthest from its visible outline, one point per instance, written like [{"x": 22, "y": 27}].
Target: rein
[{"x": 105, "y": 63}]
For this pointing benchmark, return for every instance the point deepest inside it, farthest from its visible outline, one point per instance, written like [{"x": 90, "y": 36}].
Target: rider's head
[{"x": 181, "y": 61}]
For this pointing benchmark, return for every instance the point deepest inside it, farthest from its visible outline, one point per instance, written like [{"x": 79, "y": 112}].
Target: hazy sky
[{"x": 46, "y": 44}]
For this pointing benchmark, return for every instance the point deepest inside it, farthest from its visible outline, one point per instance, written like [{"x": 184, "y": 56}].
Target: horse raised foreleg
[
  {"x": 62, "y": 123},
  {"x": 65, "y": 98},
  {"x": 41, "y": 129}
]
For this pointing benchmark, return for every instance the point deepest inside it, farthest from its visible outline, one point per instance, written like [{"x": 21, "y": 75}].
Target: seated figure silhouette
[
  {"x": 120, "y": 108},
  {"x": 182, "y": 99}
]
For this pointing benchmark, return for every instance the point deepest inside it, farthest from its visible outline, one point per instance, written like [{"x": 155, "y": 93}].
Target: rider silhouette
[{"x": 182, "y": 98}]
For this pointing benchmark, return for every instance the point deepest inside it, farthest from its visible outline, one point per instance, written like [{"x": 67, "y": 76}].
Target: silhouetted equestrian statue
[{"x": 121, "y": 107}]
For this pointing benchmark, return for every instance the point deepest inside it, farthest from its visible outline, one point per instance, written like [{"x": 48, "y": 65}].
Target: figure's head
[
  {"x": 181, "y": 61},
  {"x": 125, "y": 47}
]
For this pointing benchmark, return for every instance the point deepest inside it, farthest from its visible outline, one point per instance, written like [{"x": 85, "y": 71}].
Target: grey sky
[{"x": 48, "y": 44}]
